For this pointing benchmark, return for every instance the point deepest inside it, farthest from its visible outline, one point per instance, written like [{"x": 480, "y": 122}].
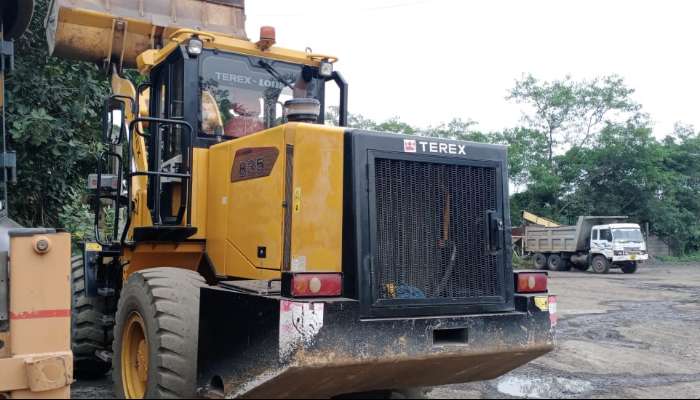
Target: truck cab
[{"x": 621, "y": 244}]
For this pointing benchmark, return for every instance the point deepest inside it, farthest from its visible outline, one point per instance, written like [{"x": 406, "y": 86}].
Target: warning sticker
[{"x": 300, "y": 323}]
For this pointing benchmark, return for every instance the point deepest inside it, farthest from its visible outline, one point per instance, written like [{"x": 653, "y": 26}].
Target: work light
[
  {"x": 195, "y": 47},
  {"x": 326, "y": 69}
]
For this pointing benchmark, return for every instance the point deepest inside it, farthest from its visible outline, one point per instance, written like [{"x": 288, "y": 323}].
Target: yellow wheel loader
[
  {"x": 255, "y": 250},
  {"x": 35, "y": 300}
]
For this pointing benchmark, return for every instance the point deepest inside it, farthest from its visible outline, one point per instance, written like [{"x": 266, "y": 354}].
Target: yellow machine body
[
  {"x": 233, "y": 249},
  {"x": 35, "y": 355},
  {"x": 276, "y": 202},
  {"x": 273, "y": 225}
]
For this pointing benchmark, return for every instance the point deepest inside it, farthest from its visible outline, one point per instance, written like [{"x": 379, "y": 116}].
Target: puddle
[{"x": 541, "y": 388}]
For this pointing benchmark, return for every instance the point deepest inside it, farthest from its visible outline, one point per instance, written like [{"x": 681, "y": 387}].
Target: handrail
[{"x": 186, "y": 198}]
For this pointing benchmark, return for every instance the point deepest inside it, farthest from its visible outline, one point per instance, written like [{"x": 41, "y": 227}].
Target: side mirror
[{"x": 114, "y": 123}]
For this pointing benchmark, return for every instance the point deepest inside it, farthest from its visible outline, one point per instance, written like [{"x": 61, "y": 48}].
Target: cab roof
[{"x": 151, "y": 58}]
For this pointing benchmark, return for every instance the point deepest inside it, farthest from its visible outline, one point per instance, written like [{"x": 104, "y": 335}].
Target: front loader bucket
[
  {"x": 266, "y": 347},
  {"x": 120, "y": 30}
]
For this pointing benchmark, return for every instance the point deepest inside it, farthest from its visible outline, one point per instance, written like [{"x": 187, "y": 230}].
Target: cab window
[{"x": 242, "y": 95}]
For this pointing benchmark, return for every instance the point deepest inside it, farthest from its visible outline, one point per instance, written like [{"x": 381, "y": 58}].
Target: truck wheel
[
  {"x": 629, "y": 267},
  {"x": 156, "y": 334},
  {"x": 601, "y": 265},
  {"x": 88, "y": 334},
  {"x": 540, "y": 261},
  {"x": 557, "y": 263}
]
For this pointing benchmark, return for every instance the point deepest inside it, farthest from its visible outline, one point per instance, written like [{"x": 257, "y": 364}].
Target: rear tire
[
  {"x": 164, "y": 304},
  {"x": 629, "y": 267},
  {"x": 88, "y": 334},
  {"x": 540, "y": 261},
  {"x": 557, "y": 263},
  {"x": 600, "y": 265}
]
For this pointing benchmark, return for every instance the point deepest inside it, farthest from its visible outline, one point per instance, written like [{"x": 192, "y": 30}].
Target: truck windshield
[
  {"x": 241, "y": 94},
  {"x": 627, "y": 235}
]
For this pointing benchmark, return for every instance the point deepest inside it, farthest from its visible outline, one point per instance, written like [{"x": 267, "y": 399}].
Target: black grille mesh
[{"x": 431, "y": 231}]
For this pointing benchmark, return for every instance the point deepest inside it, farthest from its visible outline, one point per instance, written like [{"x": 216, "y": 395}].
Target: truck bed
[{"x": 540, "y": 239}]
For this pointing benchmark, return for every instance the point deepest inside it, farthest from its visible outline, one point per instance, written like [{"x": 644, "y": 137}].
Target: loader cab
[
  {"x": 218, "y": 96},
  {"x": 226, "y": 95}
]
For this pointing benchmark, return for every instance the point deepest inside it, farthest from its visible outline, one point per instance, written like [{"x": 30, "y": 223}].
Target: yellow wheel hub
[{"x": 134, "y": 357}]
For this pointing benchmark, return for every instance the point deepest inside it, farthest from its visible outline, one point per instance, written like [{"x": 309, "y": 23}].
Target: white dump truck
[{"x": 600, "y": 243}]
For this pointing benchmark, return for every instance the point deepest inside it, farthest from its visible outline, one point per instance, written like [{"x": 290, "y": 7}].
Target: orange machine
[{"x": 35, "y": 299}]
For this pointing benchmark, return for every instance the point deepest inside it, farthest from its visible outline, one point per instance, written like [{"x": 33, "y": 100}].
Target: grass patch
[
  {"x": 521, "y": 262},
  {"x": 687, "y": 258}
]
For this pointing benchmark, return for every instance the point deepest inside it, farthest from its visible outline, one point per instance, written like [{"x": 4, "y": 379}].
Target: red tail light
[
  {"x": 317, "y": 285},
  {"x": 531, "y": 282}
]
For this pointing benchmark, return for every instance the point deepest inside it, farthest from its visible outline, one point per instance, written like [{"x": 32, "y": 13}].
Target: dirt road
[
  {"x": 619, "y": 336},
  {"x": 632, "y": 336}
]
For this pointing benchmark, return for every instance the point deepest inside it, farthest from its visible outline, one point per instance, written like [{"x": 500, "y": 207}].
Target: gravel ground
[{"x": 619, "y": 336}]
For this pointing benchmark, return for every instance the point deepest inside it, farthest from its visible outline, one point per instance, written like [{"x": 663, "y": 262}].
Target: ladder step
[{"x": 106, "y": 292}]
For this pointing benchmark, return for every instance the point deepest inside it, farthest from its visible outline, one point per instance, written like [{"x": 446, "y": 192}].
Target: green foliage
[
  {"x": 54, "y": 122},
  {"x": 686, "y": 258},
  {"x": 571, "y": 113},
  {"x": 527, "y": 153},
  {"x": 521, "y": 262},
  {"x": 77, "y": 218}
]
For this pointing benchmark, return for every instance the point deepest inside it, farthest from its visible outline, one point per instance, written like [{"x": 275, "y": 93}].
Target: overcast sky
[{"x": 429, "y": 61}]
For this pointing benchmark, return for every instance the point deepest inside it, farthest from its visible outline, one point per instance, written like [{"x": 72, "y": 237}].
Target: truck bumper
[
  {"x": 631, "y": 258},
  {"x": 267, "y": 347}
]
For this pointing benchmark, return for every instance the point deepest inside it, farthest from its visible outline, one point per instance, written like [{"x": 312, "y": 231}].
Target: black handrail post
[
  {"x": 343, "y": 107},
  {"x": 158, "y": 163},
  {"x": 186, "y": 199},
  {"x": 98, "y": 198}
]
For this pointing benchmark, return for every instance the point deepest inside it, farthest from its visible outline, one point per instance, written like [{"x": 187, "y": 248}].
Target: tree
[
  {"x": 630, "y": 173},
  {"x": 54, "y": 116},
  {"x": 553, "y": 105},
  {"x": 600, "y": 99},
  {"x": 457, "y": 129},
  {"x": 527, "y": 153},
  {"x": 571, "y": 113}
]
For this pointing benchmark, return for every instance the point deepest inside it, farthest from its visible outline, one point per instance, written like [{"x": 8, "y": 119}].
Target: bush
[
  {"x": 521, "y": 262},
  {"x": 77, "y": 217}
]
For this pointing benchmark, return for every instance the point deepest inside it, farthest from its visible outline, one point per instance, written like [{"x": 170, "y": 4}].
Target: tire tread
[{"x": 88, "y": 335}]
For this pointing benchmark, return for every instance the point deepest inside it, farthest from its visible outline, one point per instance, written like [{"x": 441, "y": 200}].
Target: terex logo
[
  {"x": 412, "y": 146},
  {"x": 409, "y": 146}
]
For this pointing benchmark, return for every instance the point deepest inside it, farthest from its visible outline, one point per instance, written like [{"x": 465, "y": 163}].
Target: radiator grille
[{"x": 431, "y": 231}]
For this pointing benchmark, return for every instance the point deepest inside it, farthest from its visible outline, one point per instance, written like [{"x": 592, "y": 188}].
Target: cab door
[
  {"x": 169, "y": 150},
  {"x": 601, "y": 239}
]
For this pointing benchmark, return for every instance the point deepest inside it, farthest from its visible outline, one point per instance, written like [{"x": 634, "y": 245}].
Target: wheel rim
[
  {"x": 540, "y": 261},
  {"x": 598, "y": 266},
  {"x": 134, "y": 357}
]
